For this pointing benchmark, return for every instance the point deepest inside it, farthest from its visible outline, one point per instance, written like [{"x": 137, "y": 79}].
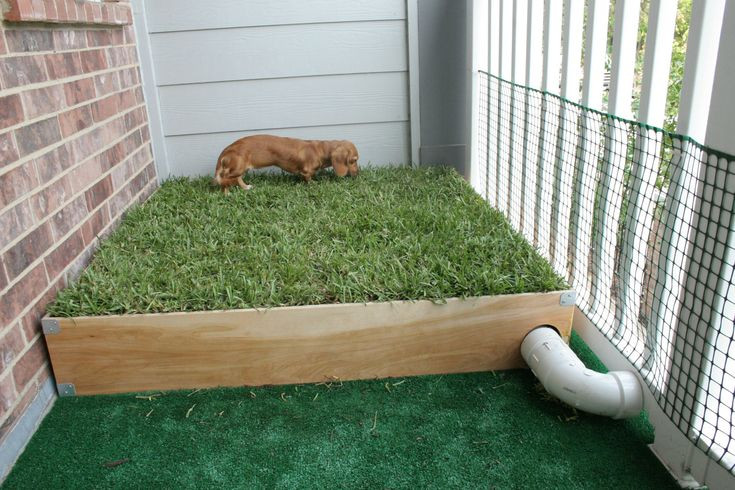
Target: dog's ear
[{"x": 339, "y": 160}]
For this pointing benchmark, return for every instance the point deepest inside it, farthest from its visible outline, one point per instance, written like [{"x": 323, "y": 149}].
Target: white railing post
[
  {"x": 565, "y": 159},
  {"x": 646, "y": 162},
  {"x": 518, "y": 115},
  {"x": 549, "y": 124},
  {"x": 595, "y": 52},
  {"x": 681, "y": 201},
  {"x": 607, "y": 217},
  {"x": 505, "y": 135},
  {"x": 681, "y": 198},
  {"x": 532, "y": 136},
  {"x": 493, "y": 67},
  {"x": 712, "y": 266}
]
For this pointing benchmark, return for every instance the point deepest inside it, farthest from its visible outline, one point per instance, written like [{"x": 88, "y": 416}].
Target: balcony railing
[{"x": 640, "y": 220}]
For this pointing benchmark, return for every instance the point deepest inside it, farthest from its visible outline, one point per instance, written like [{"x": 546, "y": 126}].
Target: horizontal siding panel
[
  {"x": 287, "y": 102},
  {"x": 280, "y": 51},
  {"x": 378, "y": 144},
  {"x": 180, "y": 15}
]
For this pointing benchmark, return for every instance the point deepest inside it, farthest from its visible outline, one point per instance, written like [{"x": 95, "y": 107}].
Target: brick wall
[{"x": 74, "y": 155}]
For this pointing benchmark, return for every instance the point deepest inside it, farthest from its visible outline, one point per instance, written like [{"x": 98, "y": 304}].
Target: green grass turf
[
  {"x": 483, "y": 430},
  {"x": 389, "y": 234}
]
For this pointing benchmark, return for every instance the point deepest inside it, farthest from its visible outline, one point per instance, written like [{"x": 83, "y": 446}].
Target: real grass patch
[
  {"x": 389, "y": 234},
  {"x": 482, "y": 430}
]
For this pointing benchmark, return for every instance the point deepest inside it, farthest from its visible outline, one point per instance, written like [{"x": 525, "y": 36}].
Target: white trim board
[{"x": 20, "y": 435}]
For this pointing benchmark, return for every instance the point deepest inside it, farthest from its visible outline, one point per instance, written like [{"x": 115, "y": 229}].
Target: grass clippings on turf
[{"x": 389, "y": 234}]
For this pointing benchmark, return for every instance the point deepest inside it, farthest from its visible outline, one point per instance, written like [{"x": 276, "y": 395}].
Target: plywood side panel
[
  {"x": 279, "y": 103},
  {"x": 279, "y": 52},
  {"x": 179, "y": 15},
  {"x": 378, "y": 144},
  {"x": 298, "y": 344}
]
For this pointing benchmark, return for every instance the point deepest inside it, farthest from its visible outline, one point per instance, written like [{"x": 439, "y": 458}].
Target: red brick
[
  {"x": 63, "y": 65},
  {"x": 74, "y": 270},
  {"x": 128, "y": 77},
  {"x": 61, "y": 10},
  {"x": 51, "y": 198},
  {"x": 27, "y": 250},
  {"x": 118, "y": 36},
  {"x": 85, "y": 174},
  {"x": 114, "y": 155},
  {"x": 79, "y": 91},
  {"x": 88, "y": 14},
  {"x": 93, "y": 60},
  {"x": 71, "y": 14},
  {"x": 50, "y": 164},
  {"x": 97, "y": 12},
  {"x": 3, "y": 279},
  {"x": 15, "y": 221},
  {"x": 33, "y": 360},
  {"x": 10, "y": 346},
  {"x": 95, "y": 224},
  {"x": 70, "y": 216},
  {"x": 29, "y": 40},
  {"x": 126, "y": 100},
  {"x": 22, "y": 70},
  {"x": 145, "y": 133},
  {"x": 22, "y": 293},
  {"x": 50, "y": 8},
  {"x": 31, "y": 322},
  {"x": 11, "y": 111},
  {"x": 99, "y": 38},
  {"x": 8, "y": 396},
  {"x": 17, "y": 182},
  {"x": 92, "y": 142},
  {"x": 8, "y": 151},
  {"x": 105, "y": 108},
  {"x": 118, "y": 56},
  {"x": 70, "y": 39},
  {"x": 37, "y": 135},
  {"x": 75, "y": 120},
  {"x": 39, "y": 11},
  {"x": 3, "y": 45},
  {"x": 105, "y": 15},
  {"x": 98, "y": 193},
  {"x": 106, "y": 83},
  {"x": 25, "y": 10},
  {"x": 134, "y": 118},
  {"x": 43, "y": 101},
  {"x": 64, "y": 254},
  {"x": 129, "y": 33}
]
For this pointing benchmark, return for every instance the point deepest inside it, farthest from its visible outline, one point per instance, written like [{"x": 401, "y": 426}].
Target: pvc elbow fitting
[{"x": 617, "y": 394}]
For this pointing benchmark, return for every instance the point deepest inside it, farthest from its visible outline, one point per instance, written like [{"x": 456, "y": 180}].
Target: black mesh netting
[{"x": 641, "y": 223}]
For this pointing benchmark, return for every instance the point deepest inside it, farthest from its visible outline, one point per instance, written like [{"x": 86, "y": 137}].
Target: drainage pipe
[{"x": 617, "y": 394}]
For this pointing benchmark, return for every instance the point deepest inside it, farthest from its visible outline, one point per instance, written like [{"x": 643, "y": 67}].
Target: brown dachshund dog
[{"x": 303, "y": 157}]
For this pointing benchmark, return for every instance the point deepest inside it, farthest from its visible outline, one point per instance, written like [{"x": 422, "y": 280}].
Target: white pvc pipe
[{"x": 617, "y": 394}]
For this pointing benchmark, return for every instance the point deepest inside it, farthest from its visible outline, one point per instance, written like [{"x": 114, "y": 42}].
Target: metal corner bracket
[
  {"x": 568, "y": 298},
  {"x": 50, "y": 326},
  {"x": 66, "y": 389}
]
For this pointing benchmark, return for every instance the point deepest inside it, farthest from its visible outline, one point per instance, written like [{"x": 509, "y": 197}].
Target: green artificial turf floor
[
  {"x": 482, "y": 430},
  {"x": 388, "y": 234}
]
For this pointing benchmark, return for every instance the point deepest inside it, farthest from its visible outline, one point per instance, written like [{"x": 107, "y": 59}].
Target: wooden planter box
[{"x": 300, "y": 344}]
